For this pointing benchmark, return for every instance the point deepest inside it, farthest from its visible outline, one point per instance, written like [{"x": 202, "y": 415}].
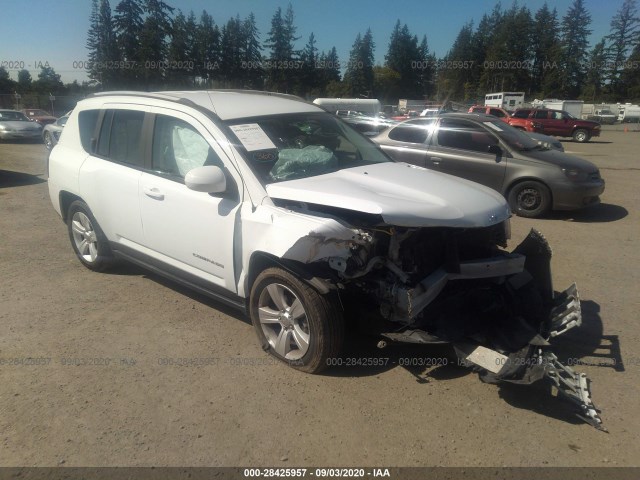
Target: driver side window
[{"x": 178, "y": 148}]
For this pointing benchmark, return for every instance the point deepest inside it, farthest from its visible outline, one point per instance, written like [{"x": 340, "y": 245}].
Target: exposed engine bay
[{"x": 460, "y": 286}]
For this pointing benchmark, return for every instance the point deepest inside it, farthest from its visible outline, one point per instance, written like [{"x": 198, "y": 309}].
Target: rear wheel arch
[{"x": 66, "y": 199}]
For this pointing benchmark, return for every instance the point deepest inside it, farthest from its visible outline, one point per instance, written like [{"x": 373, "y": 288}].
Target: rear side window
[
  {"x": 87, "y": 120},
  {"x": 411, "y": 132},
  {"x": 496, "y": 113},
  {"x": 121, "y": 136},
  {"x": 125, "y": 138},
  {"x": 521, "y": 114}
]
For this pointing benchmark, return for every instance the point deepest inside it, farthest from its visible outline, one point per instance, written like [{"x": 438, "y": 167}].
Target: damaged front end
[
  {"x": 498, "y": 309},
  {"x": 499, "y": 313}
]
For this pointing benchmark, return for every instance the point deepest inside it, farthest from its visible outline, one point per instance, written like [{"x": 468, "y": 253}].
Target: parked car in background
[
  {"x": 555, "y": 122},
  {"x": 51, "y": 132},
  {"x": 533, "y": 178},
  {"x": 498, "y": 112},
  {"x": 405, "y": 116},
  {"x": 14, "y": 125},
  {"x": 602, "y": 115},
  {"x": 38, "y": 115}
]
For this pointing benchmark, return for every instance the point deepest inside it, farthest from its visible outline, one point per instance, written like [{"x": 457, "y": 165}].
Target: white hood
[{"x": 404, "y": 195}]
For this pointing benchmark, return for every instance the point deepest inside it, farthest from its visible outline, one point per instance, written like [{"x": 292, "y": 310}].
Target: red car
[
  {"x": 40, "y": 116},
  {"x": 501, "y": 113},
  {"x": 555, "y": 122}
]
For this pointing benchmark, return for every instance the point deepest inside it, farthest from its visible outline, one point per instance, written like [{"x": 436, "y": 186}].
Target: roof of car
[{"x": 228, "y": 104}]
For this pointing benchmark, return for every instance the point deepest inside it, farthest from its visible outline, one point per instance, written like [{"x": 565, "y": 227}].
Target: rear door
[
  {"x": 109, "y": 177},
  {"x": 407, "y": 142},
  {"x": 460, "y": 147}
]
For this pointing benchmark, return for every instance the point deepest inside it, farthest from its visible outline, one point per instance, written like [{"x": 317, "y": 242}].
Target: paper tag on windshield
[{"x": 252, "y": 137}]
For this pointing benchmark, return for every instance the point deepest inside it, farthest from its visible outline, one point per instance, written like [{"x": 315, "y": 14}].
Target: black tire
[
  {"x": 581, "y": 135},
  {"x": 48, "y": 140},
  {"x": 307, "y": 341},
  {"x": 529, "y": 199},
  {"x": 87, "y": 239}
]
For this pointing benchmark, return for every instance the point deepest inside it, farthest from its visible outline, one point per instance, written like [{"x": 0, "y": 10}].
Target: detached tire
[
  {"x": 87, "y": 239},
  {"x": 581, "y": 135},
  {"x": 294, "y": 322},
  {"x": 529, "y": 199}
]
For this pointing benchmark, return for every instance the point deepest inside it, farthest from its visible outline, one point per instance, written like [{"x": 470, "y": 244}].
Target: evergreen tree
[
  {"x": 179, "y": 52},
  {"x": 575, "y": 48},
  {"x": 101, "y": 43},
  {"x": 630, "y": 78},
  {"x": 153, "y": 42},
  {"x": 309, "y": 78},
  {"x": 427, "y": 68},
  {"x": 592, "y": 89},
  {"x": 281, "y": 38},
  {"x": 48, "y": 81},
  {"x": 622, "y": 39},
  {"x": 127, "y": 22},
  {"x": 545, "y": 47},
  {"x": 24, "y": 81},
  {"x": 452, "y": 82},
  {"x": 232, "y": 54},
  {"x": 405, "y": 57},
  {"x": 252, "y": 56},
  {"x": 359, "y": 73},
  {"x": 483, "y": 79},
  {"x": 7, "y": 85},
  {"x": 207, "y": 49}
]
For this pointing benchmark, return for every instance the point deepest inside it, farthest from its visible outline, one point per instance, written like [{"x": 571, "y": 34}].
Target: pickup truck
[
  {"x": 554, "y": 122},
  {"x": 602, "y": 115}
]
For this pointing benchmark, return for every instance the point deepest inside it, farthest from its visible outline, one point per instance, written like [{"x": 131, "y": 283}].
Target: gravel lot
[{"x": 136, "y": 371}]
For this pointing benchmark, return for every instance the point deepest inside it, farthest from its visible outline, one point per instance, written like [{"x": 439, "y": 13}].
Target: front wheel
[
  {"x": 581, "y": 135},
  {"x": 48, "y": 141},
  {"x": 294, "y": 322},
  {"x": 87, "y": 239},
  {"x": 529, "y": 199}
]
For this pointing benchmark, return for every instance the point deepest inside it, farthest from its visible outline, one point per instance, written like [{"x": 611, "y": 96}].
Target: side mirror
[
  {"x": 208, "y": 179},
  {"x": 495, "y": 149}
]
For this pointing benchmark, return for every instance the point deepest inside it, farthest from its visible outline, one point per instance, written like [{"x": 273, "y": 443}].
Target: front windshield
[
  {"x": 512, "y": 136},
  {"x": 301, "y": 145}
]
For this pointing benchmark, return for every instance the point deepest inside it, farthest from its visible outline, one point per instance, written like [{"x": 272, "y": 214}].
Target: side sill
[{"x": 185, "y": 279}]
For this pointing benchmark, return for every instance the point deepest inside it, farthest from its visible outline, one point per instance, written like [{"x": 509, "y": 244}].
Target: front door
[{"x": 192, "y": 231}]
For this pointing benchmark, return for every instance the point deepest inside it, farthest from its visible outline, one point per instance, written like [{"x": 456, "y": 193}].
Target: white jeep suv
[{"x": 274, "y": 206}]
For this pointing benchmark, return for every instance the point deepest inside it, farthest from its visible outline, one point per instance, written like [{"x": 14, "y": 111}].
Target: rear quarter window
[{"x": 87, "y": 120}]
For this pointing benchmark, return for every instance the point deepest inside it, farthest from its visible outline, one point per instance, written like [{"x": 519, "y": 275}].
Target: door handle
[
  {"x": 153, "y": 192},
  {"x": 436, "y": 160}
]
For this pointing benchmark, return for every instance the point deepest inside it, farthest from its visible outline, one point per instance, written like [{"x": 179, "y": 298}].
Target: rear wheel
[
  {"x": 581, "y": 135},
  {"x": 87, "y": 239},
  {"x": 294, "y": 322},
  {"x": 529, "y": 199}
]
